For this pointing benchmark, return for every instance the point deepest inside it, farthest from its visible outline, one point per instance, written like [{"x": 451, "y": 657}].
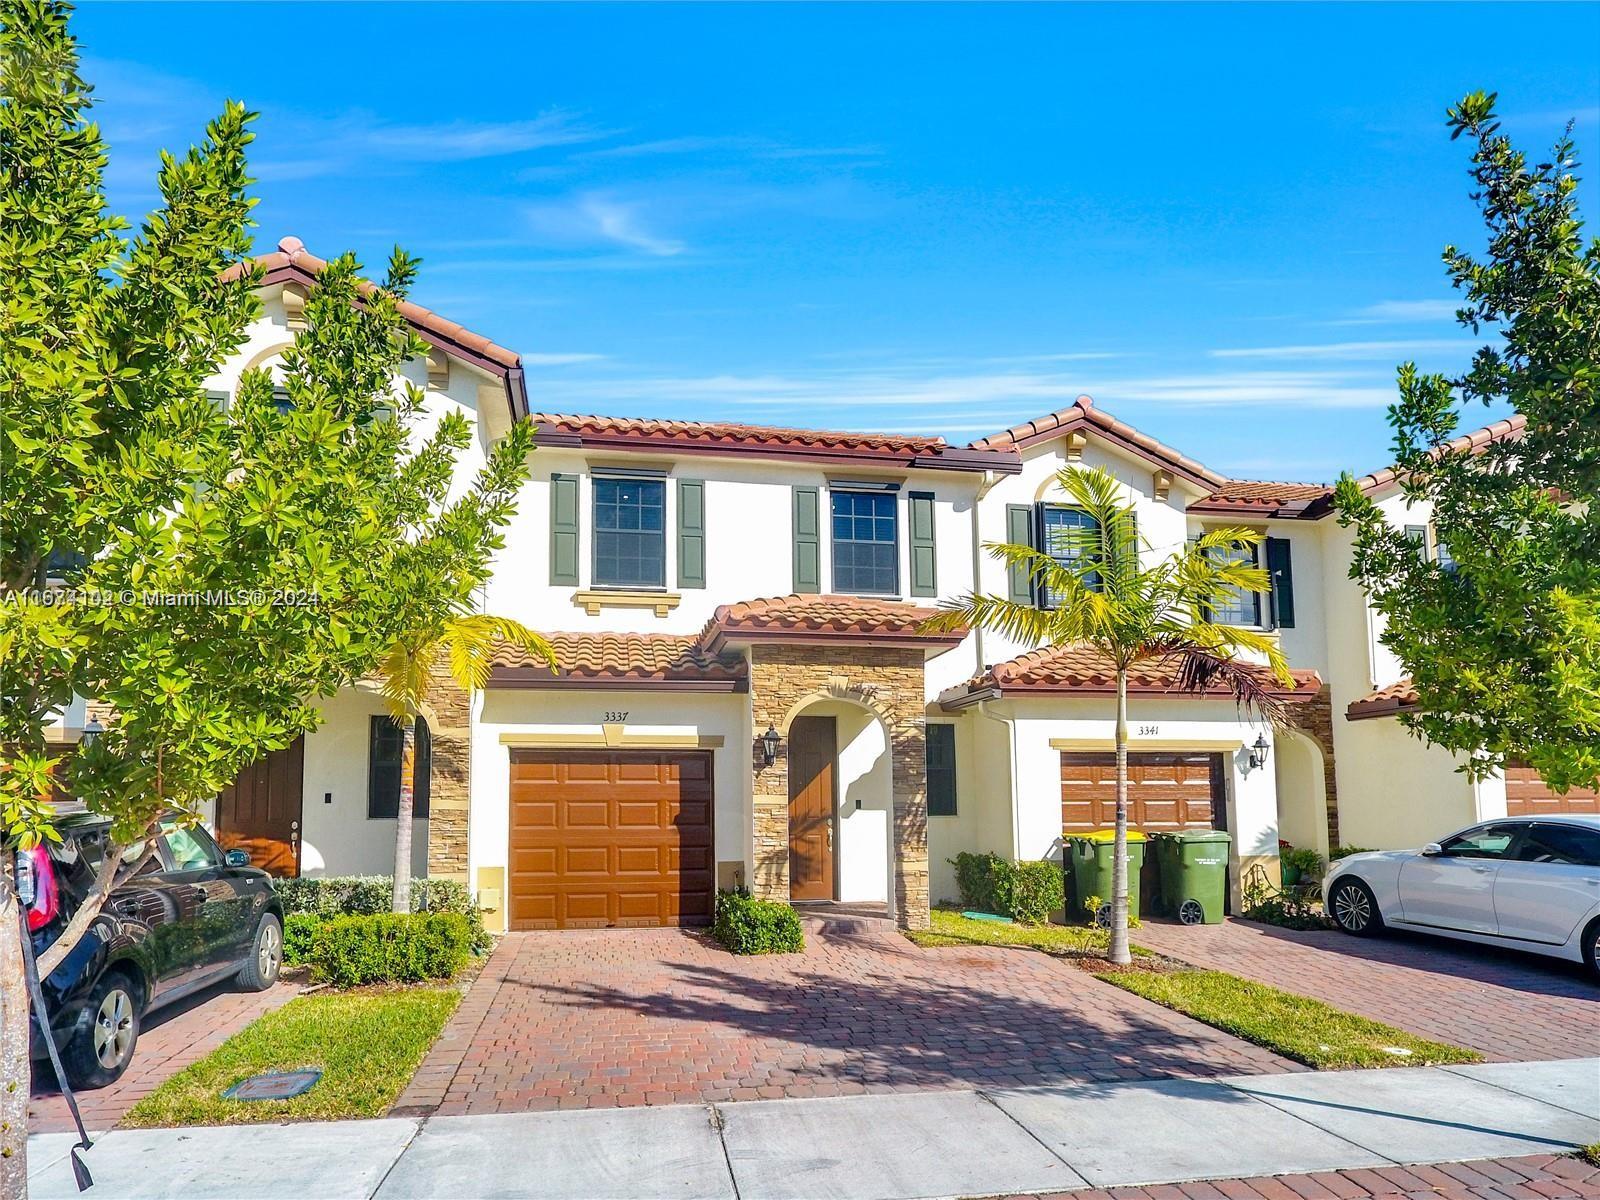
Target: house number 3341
[
  {"x": 613, "y": 717},
  {"x": 1149, "y": 730}
]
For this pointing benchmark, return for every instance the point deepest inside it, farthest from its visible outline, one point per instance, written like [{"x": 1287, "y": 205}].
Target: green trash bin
[
  {"x": 1194, "y": 874},
  {"x": 1089, "y": 857}
]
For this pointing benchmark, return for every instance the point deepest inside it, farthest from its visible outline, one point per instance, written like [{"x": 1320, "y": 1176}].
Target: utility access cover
[{"x": 274, "y": 1085}]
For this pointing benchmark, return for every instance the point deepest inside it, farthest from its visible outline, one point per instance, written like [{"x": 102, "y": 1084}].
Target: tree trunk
[
  {"x": 15, "y": 1079},
  {"x": 1119, "y": 847},
  {"x": 403, "y": 816}
]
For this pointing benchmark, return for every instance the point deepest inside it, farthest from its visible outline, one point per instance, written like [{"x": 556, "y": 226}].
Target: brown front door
[
  {"x": 1165, "y": 791},
  {"x": 610, "y": 837},
  {"x": 260, "y": 812},
  {"x": 813, "y": 747},
  {"x": 1528, "y": 795}
]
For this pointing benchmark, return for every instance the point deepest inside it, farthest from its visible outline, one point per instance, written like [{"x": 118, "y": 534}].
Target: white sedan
[{"x": 1530, "y": 883}]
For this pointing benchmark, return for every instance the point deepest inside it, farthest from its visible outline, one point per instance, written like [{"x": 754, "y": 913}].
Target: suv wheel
[
  {"x": 1353, "y": 908},
  {"x": 101, "y": 1050},
  {"x": 260, "y": 970}
]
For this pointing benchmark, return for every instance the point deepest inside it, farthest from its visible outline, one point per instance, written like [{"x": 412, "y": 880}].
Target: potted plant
[{"x": 1296, "y": 865}]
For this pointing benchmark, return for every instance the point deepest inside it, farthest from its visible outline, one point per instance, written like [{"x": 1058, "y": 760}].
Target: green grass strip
[
  {"x": 368, "y": 1045},
  {"x": 952, "y": 929},
  {"x": 1296, "y": 1027}
]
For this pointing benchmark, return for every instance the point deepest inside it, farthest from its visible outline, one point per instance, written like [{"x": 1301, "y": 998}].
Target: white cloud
[
  {"x": 1399, "y": 312},
  {"x": 1345, "y": 350},
  {"x": 594, "y": 217},
  {"x": 559, "y": 360}
]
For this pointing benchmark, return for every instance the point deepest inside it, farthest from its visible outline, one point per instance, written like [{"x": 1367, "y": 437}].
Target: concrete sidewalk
[{"x": 885, "y": 1147}]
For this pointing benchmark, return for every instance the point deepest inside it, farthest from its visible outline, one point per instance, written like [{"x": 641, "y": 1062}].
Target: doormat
[{"x": 274, "y": 1085}]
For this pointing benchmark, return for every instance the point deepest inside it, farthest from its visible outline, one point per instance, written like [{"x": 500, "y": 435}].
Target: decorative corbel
[
  {"x": 1161, "y": 482},
  {"x": 294, "y": 306},
  {"x": 438, "y": 368},
  {"x": 1075, "y": 442}
]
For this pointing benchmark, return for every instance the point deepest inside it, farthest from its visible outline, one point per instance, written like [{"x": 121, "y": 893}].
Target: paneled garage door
[
  {"x": 1528, "y": 795},
  {"x": 1165, "y": 791},
  {"x": 604, "y": 838}
]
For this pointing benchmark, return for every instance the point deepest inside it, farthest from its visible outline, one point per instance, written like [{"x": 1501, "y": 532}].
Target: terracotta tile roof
[
  {"x": 714, "y": 436},
  {"x": 801, "y": 618},
  {"x": 618, "y": 659},
  {"x": 1383, "y": 702},
  {"x": 1083, "y": 413},
  {"x": 1468, "y": 443},
  {"x": 1080, "y": 670},
  {"x": 1263, "y": 498},
  {"x": 291, "y": 256}
]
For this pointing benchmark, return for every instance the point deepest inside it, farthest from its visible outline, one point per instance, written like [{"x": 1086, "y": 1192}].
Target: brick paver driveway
[
  {"x": 662, "y": 1016},
  {"x": 170, "y": 1040},
  {"x": 1507, "y": 1005}
]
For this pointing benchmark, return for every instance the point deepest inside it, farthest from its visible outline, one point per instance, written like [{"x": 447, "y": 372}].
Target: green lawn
[
  {"x": 1296, "y": 1027},
  {"x": 367, "y": 1043},
  {"x": 950, "y": 928}
]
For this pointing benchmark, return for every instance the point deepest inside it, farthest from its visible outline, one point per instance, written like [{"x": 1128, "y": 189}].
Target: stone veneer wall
[
  {"x": 888, "y": 681},
  {"x": 450, "y": 725},
  {"x": 1314, "y": 718}
]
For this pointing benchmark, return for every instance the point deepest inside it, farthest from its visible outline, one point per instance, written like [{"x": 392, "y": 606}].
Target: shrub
[
  {"x": 746, "y": 925},
  {"x": 370, "y": 895},
  {"x": 1304, "y": 860},
  {"x": 390, "y": 948},
  {"x": 1288, "y": 911},
  {"x": 1346, "y": 851},
  {"x": 1028, "y": 892},
  {"x": 299, "y": 931}
]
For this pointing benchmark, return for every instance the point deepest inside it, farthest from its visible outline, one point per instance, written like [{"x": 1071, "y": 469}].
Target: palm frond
[
  {"x": 1249, "y": 685},
  {"x": 1019, "y": 622}
]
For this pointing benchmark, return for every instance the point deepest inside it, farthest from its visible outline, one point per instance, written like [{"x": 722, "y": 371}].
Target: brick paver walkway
[
  {"x": 1509, "y": 1006},
  {"x": 1541, "y": 1177},
  {"x": 171, "y": 1039},
  {"x": 662, "y": 1016}
]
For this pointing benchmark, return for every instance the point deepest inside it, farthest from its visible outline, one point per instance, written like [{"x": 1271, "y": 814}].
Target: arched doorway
[{"x": 1302, "y": 791}]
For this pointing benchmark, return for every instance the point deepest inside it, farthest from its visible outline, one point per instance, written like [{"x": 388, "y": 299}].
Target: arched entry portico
[{"x": 1302, "y": 791}]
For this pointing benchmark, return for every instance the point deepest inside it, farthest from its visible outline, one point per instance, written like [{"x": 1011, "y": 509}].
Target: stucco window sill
[{"x": 593, "y": 601}]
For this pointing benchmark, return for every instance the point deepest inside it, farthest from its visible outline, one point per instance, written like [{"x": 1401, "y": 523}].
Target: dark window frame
[
  {"x": 1256, "y": 599},
  {"x": 942, "y": 800},
  {"x": 385, "y": 745},
  {"x": 1041, "y": 525},
  {"x": 880, "y": 499},
  {"x": 658, "y": 484}
]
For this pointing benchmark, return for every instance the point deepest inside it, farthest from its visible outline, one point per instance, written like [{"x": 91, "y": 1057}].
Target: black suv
[{"x": 192, "y": 917}]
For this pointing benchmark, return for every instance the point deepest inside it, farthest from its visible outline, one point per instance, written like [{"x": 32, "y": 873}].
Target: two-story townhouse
[{"x": 746, "y": 694}]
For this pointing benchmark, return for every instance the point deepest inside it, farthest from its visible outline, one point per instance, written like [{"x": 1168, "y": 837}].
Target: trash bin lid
[
  {"x": 1197, "y": 835},
  {"x": 1105, "y": 835}
]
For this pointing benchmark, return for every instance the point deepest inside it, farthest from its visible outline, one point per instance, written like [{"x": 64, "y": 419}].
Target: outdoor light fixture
[
  {"x": 1259, "y": 752},
  {"x": 769, "y": 745},
  {"x": 91, "y": 731}
]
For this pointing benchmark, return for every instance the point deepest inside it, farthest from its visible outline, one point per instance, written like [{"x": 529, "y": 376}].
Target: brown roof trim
[
  {"x": 1083, "y": 414},
  {"x": 623, "y": 434},
  {"x": 291, "y": 262},
  {"x": 1290, "y": 510},
  {"x": 1397, "y": 697}
]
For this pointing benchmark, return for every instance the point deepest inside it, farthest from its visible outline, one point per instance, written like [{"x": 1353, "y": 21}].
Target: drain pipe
[
  {"x": 1010, "y": 727},
  {"x": 986, "y": 484}
]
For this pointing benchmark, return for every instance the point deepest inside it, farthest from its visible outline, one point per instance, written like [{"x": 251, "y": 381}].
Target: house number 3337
[{"x": 612, "y": 717}]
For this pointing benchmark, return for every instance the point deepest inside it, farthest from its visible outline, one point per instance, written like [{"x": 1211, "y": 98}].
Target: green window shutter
[
  {"x": 924, "y": 574},
  {"x": 691, "y": 533},
  {"x": 564, "y": 530},
  {"x": 1280, "y": 568},
  {"x": 941, "y": 760},
  {"x": 1019, "y": 532},
  {"x": 807, "y": 541}
]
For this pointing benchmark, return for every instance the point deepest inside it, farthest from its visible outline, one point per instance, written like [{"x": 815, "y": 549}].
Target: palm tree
[
  {"x": 468, "y": 644},
  {"x": 1095, "y": 593}
]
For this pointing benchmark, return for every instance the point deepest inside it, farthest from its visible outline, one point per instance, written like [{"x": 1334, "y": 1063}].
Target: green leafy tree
[
  {"x": 298, "y": 536},
  {"x": 1502, "y": 636},
  {"x": 1100, "y": 597}
]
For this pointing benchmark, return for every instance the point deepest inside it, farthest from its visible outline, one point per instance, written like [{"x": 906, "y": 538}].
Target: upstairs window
[
  {"x": 1062, "y": 534},
  {"x": 630, "y": 533},
  {"x": 1239, "y": 606},
  {"x": 865, "y": 543}
]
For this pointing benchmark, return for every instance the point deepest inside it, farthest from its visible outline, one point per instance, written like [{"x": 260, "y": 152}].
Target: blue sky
[{"x": 1223, "y": 222}]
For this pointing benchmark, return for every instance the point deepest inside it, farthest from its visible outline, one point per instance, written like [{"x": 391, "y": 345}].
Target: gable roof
[
  {"x": 1078, "y": 670},
  {"x": 1084, "y": 414},
  {"x": 719, "y": 437},
  {"x": 291, "y": 262}
]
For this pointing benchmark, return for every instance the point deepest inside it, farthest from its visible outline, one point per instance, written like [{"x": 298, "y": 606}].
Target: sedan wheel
[
  {"x": 113, "y": 1029},
  {"x": 1354, "y": 909}
]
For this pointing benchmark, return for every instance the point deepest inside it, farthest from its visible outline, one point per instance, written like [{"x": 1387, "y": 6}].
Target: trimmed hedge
[
  {"x": 299, "y": 932},
  {"x": 1027, "y": 892},
  {"x": 390, "y": 948},
  {"x": 371, "y": 895},
  {"x": 746, "y": 925}
]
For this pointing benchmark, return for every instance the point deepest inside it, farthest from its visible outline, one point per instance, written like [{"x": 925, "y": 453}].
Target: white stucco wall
[
  {"x": 1394, "y": 791},
  {"x": 983, "y": 819}
]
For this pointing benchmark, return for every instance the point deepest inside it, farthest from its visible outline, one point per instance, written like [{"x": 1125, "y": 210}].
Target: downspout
[
  {"x": 986, "y": 484},
  {"x": 1010, "y": 726}
]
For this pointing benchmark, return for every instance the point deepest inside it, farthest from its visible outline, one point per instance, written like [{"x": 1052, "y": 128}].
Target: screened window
[
  {"x": 941, "y": 742},
  {"x": 383, "y": 770},
  {"x": 630, "y": 533},
  {"x": 1240, "y": 606},
  {"x": 865, "y": 543},
  {"x": 1061, "y": 539}
]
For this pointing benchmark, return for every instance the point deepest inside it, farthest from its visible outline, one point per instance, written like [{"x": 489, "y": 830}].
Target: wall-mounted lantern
[
  {"x": 769, "y": 745},
  {"x": 1259, "y": 752},
  {"x": 91, "y": 732}
]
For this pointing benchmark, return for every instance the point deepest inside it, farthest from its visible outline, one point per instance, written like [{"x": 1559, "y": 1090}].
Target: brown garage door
[
  {"x": 609, "y": 838},
  {"x": 1528, "y": 795},
  {"x": 1165, "y": 791}
]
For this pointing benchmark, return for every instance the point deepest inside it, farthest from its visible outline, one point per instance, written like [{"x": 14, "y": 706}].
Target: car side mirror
[
  {"x": 237, "y": 858},
  {"x": 1432, "y": 850}
]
